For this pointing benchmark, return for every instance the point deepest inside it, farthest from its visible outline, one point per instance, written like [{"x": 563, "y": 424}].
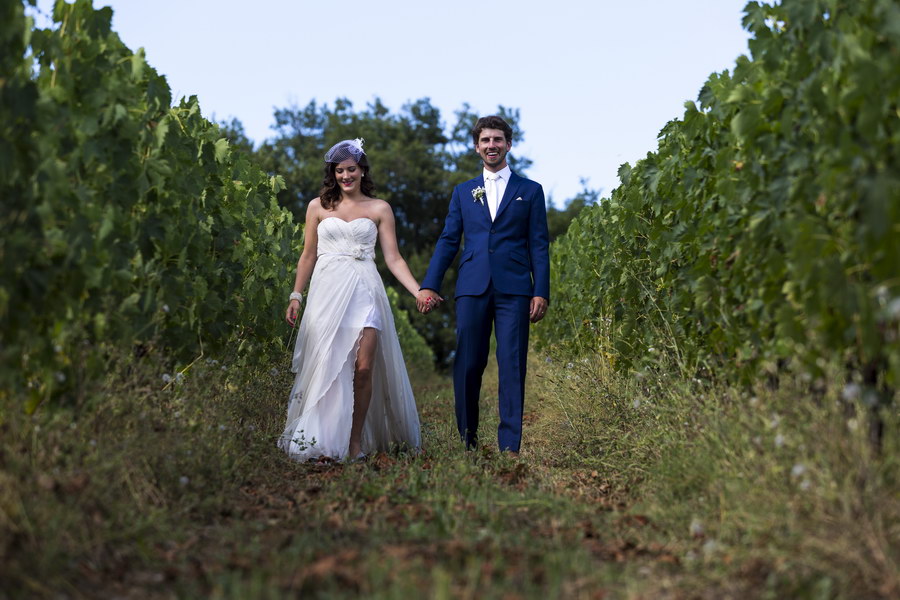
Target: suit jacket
[{"x": 512, "y": 251}]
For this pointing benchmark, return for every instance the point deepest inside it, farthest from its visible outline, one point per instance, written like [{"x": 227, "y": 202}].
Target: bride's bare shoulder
[
  {"x": 314, "y": 209},
  {"x": 381, "y": 208}
]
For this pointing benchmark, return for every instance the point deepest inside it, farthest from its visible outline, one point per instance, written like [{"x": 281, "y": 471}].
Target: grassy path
[
  {"x": 619, "y": 492},
  {"x": 448, "y": 523}
]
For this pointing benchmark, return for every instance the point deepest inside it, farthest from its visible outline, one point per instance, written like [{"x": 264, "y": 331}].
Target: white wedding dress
[{"x": 345, "y": 295}]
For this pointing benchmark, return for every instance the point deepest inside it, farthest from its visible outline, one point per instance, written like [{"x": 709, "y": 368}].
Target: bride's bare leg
[{"x": 362, "y": 387}]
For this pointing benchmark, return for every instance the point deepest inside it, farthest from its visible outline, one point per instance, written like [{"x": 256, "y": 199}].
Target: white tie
[{"x": 493, "y": 201}]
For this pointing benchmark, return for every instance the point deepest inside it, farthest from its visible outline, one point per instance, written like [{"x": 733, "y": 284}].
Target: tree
[{"x": 558, "y": 220}]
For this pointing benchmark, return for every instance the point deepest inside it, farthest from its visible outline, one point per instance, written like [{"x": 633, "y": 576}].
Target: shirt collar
[{"x": 503, "y": 173}]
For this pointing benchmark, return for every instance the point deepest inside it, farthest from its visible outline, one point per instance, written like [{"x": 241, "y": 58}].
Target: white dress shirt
[{"x": 499, "y": 185}]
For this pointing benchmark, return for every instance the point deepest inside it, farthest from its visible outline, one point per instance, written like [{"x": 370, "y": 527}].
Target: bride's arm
[
  {"x": 307, "y": 261},
  {"x": 387, "y": 234}
]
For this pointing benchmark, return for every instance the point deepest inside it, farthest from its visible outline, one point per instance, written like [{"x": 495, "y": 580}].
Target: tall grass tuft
[
  {"x": 773, "y": 488},
  {"x": 104, "y": 486}
]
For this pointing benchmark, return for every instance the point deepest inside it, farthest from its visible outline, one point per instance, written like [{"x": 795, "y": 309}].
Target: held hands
[
  {"x": 427, "y": 300},
  {"x": 538, "y": 309}
]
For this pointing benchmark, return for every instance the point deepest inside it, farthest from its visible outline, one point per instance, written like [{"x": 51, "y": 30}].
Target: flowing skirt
[{"x": 346, "y": 295}]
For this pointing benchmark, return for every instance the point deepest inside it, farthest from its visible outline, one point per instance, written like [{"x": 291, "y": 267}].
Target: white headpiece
[{"x": 352, "y": 149}]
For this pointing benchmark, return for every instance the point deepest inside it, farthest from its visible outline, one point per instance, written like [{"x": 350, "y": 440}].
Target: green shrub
[
  {"x": 764, "y": 229},
  {"x": 416, "y": 352},
  {"x": 127, "y": 222}
]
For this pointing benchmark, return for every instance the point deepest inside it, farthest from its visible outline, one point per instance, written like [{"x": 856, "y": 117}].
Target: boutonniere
[{"x": 478, "y": 194}]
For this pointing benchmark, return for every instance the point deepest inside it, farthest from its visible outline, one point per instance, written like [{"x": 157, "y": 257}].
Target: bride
[{"x": 351, "y": 395}]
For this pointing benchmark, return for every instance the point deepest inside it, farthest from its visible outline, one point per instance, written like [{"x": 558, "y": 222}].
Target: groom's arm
[
  {"x": 539, "y": 245},
  {"x": 447, "y": 246}
]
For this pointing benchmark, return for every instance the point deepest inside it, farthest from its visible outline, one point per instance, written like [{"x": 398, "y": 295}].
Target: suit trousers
[{"x": 475, "y": 317}]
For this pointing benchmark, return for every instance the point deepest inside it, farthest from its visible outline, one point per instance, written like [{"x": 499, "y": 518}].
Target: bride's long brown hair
[{"x": 330, "y": 194}]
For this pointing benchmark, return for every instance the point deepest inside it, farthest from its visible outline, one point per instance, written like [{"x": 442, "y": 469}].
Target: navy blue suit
[{"x": 503, "y": 265}]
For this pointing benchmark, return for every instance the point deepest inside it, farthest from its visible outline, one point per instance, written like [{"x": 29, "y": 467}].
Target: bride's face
[{"x": 348, "y": 175}]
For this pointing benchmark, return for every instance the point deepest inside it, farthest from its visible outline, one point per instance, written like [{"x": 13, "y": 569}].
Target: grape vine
[
  {"x": 765, "y": 229},
  {"x": 127, "y": 222}
]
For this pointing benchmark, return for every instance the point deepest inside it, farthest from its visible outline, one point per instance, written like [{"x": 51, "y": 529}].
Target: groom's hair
[{"x": 491, "y": 122}]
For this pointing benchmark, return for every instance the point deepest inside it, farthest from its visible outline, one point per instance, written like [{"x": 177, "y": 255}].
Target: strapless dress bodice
[{"x": 355, "y": 238}]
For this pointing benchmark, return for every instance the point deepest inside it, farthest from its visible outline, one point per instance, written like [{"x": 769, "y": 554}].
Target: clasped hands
[{"x": 427, "y": 300}]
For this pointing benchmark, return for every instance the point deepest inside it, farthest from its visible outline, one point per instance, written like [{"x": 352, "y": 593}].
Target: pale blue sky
[{"x": 595, "y": 80}]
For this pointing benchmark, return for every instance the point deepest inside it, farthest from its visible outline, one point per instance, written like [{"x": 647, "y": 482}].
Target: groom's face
[{"x": 492, "y": 148}]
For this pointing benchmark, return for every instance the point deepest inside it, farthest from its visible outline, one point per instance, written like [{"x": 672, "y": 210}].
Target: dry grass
[
  {"x": 626, "y": 488},
  {"x": 768, "y": 491}
]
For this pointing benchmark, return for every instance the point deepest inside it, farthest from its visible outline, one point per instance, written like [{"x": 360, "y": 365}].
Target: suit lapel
[{"x": 512, "y": 189}]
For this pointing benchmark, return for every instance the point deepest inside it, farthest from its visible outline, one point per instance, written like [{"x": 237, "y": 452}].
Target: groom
[{"x": 503, "y": 282}]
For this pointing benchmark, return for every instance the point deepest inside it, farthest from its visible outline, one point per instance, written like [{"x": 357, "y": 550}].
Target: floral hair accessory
[{"x": 347, "y": 149}]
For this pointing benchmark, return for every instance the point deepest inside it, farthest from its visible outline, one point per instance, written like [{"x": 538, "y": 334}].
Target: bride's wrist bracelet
[{"x": 296, "y": 296}]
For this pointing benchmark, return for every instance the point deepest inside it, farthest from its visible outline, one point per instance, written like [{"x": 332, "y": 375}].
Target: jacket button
[
  {"x": 491, "y": 250},
  {"x": 492, "y": 231}
]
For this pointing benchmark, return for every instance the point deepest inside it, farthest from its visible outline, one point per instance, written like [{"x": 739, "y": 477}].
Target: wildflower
[
  {"x": 852, "y": 424},
  {"x": 779, "y": 441},
  {"x": 570, "y": 365},
  {"x": 166, "y": 378},
  {"x": 57, "y": 348},
  {"x": 893, "y": 309},
  {"x": 754, "y": 401},
  {"x": 165, "y": 308},
  {"x": 222, "y": 428},
  {"x": 93, "y": 443},
  {"x": 179, "y": 377},
  {"x": 274, "y": 372},
  {"x": 184, "y": 480},
  {"x": 851, "y": 391},
  {"x": 805, "y": 484},
  {"x": 697, "y": 528},
  {"x": 60, "y": 376},
  {"x": 798, "y": 469},
  {"x": 636, "y": 403},
  {"x": 710, "y": 547}
]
